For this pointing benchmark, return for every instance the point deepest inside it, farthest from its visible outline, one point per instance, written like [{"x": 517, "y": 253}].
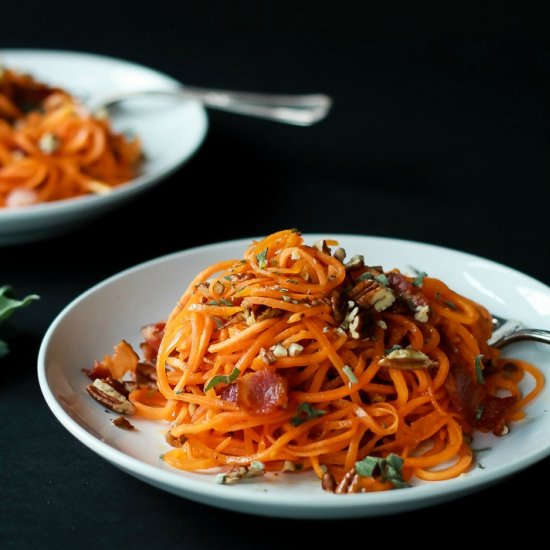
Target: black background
[{"x": 440, "y": 132}]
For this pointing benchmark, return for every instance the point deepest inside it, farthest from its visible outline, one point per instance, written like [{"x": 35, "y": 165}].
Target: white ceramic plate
[
  {"x": 91, "y": 325},
  {"x": 170, "y": 132}
]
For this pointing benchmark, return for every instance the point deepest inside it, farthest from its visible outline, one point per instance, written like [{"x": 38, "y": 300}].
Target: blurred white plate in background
[{"x": 170, "y": 131}]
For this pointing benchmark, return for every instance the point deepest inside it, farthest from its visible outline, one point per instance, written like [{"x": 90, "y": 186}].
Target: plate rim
[{"x": 359, "y": 505}]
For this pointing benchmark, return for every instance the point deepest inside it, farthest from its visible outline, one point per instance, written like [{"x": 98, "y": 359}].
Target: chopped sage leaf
[
  {"x": 479, "y": 369},
  {"x": 479, "y": 412},
  {"x": 387, "y": 351},
  {"x": 366, "y": 467},
  {"x": 305, "y": 412},
  {"x": 482, "y": 450},
  {"x": 367, "y": 276},
  {"x": 389, "y": 468},
  {"x": 223, "y": 379},
  {"x": 450, "y": 305},
  {"x": 262, "y": 258},
  {"x": 350, "y": 374},
  {"x": 382, "y": 279},
  {"x": 218, "y": 321},
  {"x": 419, "y": 279}
]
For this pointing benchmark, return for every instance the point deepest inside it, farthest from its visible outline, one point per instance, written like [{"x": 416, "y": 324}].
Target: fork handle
[
  {"x": 532, "y": 334},
  {"x": 301, "y": 110}
]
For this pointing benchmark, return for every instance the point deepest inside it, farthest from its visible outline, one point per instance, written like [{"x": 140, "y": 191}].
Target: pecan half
[
  {"x": 370, "y": 294},
  {"x": 349, "y": 483},
  {"x": 407, "y": 359},
  {"x": 105, "y": 394}
]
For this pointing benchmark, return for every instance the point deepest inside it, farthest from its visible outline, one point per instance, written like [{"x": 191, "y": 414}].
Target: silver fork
[
  {"x": 508, "y": 331},
  {"x": 300, "y": 110}
]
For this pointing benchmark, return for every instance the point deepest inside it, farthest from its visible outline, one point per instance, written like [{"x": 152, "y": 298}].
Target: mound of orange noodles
[
  {"x": 52, "y": 147},
  {"x": 298, "y": 360}
]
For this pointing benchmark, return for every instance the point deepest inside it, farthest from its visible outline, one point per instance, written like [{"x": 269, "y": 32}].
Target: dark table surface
[{"x": 438, "y": 139}]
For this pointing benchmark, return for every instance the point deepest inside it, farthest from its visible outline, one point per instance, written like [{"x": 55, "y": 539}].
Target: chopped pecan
[
  {"x": 322, "y": 246},
  {"x": 349, "y": 484},
  {"x": 340, "y": 254},
  {"x": 295, "y": 349},
  {"x": 355, "y": 262},
  {"x": 370, "y": 294},
  {"x": 175, "y": 441},
  {"x": 123, "y": 423},
  {"x": 268, "y": 313},
  {"x": 255, "y": 469},
  {"x": 105, "y": 394},
  {"x": 410, "y": 296},
  {"x": 328, "y": 483},
  {"x": 407, "y": 359},
  {"x": 268, "y": 357},
  {"x": 336, "y": 305}
]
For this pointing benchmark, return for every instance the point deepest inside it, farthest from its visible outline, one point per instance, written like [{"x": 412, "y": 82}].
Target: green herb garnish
[
  {"x": 366, "y": 467},
  {"x": 387, "y": 351},
  {"x": 450, "y": 305},
  {"x": 482, "y": 450},
  {"x": 390, "y": 469},
  {"x": 419, "y": 279},
  {"x": 382, "y": 279},
  {"x": 479, "y": 412},
  {"x": 222, "y": 302},
  {"x": 350, "y": 374},
  {"x": 367, "y": 276},
  {"x": 305, "y": 412},
  {"x": 262, "y": 258},
  {"x": 222, "y": 379},
  {"x": 479, "y": 369},
  {"x": 218, "y": 321}
]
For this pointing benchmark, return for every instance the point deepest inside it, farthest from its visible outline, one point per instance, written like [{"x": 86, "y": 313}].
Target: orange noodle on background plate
[
  {"x": 52, "y": 147},
  {"x": 294, "y": 359}
]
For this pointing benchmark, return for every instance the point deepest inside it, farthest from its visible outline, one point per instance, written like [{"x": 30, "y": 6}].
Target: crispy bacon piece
[
  {"x": 98, "y": 370},
  {"x": 405, "y": 290},
  {"x": 123, "y": 360},
  {"x": 262, "y": 392},
  {"x": 230, "y": 392},
  {"x": 152, "y": 334},
  {"x": 480, "y": 409}
]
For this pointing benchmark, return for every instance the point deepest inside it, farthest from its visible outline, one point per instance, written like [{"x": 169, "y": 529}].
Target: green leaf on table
[{"x": 9, "y": 305}]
